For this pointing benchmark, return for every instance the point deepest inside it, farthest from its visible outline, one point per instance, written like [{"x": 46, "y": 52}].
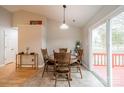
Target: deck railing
[{"x": 100, "y": 59}]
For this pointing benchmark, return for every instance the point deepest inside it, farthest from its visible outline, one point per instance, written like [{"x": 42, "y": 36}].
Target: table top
[
  {"x": 28, "y": 54},
  {"x": 73, "y": 58}
]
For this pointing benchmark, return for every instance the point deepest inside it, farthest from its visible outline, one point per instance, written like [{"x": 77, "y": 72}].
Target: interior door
[
  {"x": 11, "y": 45},
  {"x": 1, "y": 46}
]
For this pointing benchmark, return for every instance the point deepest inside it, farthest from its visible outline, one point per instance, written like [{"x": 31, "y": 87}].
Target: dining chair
[
  {"x": 61, "y": 50},
  {"x": 62, "y": 65},
  {"x": 78, "y": 60},
  {"x": 47, "y": 61}
]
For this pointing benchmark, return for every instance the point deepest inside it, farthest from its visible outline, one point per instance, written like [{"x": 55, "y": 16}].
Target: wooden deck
[{"x": 117, "y": 75}]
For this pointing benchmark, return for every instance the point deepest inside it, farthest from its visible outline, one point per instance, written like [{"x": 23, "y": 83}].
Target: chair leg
[
  {"x": 80, "y": 72},
  {"x": 68, "y": 80},
  {"x": 70, "y": 74},
  {"x": 56, "y": 79},
  {"x": 80, "y": 69},
  {"x": 44, "y": 70},
  {"x": 77, "y": 69},
  {"x": 47, "y": 68},
  {"x": 54, "y": 72}
]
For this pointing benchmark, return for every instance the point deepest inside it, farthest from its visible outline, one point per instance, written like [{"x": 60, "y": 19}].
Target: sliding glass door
[
  {"x": 99, "y": 51},
  {"x": 117, "y": 28},
  {"x": 107, "y": 50}
]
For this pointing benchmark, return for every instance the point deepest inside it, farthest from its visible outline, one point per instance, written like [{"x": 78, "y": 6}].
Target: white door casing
[
  {"x": 11, "y": 45},
  {"x": 1, "y": 46}
]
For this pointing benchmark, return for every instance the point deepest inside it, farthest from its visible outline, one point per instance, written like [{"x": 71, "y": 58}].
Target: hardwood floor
[
  {"x": 10, "y": 77},
  {"x": 27, "y": 77}
]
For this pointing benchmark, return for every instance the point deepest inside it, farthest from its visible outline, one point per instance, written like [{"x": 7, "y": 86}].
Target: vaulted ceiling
[{"x": 81, "y": 14}]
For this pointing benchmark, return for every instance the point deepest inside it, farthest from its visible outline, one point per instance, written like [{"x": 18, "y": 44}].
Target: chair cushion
[
  {"x": 52, "y": 60},
  {"x": 63, "y": 71},
  {"x": 75, "y": 63},
  {"x": 50, "y": 63}
]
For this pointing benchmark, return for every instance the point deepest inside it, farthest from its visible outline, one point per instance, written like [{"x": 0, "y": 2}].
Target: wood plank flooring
[
  {"x": 10, "y": 77},
  {"x": 27, "y": 77}
]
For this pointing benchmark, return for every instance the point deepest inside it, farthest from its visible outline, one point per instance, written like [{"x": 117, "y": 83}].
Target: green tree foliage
[{"x": 117, "y": 38}]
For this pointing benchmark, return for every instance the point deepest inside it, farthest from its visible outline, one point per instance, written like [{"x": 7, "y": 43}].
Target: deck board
[{"x": 117, "y": 75}]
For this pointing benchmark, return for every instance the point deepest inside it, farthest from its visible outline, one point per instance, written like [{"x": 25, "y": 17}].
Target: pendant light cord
[
  {"x": 64, "y": 26},
  {"x": 64, "y": 6}
]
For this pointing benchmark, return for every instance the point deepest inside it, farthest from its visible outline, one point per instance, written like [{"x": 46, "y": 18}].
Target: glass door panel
[
  {"x": 117, "y": 27},
  {"x": 99, "y": 52}
]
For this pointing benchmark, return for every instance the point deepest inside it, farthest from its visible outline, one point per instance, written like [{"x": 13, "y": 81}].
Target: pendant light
[{"x": 64, "y": 25}]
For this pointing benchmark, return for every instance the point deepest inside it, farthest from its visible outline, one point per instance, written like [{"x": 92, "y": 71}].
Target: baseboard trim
[
  {"x": 8, "y": 63},
  {"x": 100, "y": 79},
  {"x": 2, "y": 65},
  {"x": 40, "y": 66},
  {"x": 86, "y": 66}
]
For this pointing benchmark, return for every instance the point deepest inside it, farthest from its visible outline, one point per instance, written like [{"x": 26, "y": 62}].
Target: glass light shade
[{"x": 64, "y": 26}]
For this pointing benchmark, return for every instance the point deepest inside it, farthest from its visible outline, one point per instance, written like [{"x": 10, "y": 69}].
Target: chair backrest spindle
[
  {"x": 45, "y": 54},
  {"x": 62, "y": 58}
]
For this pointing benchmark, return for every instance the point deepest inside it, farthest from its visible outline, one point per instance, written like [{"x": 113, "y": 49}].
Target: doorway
[
  {"x": 2, "y": 52},
  {"x": 11, "y": 45}
]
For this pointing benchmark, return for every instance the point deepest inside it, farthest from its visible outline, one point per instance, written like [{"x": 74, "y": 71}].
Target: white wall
[
  {"x": 5, "y": 18},
  {"x": 5, "y": 24},
  {"x": 106, "y": 10},
  {"x": 23, "y": 18},
  {"x": 32, "y": 36},
  {"x": 57, "y": 38}
]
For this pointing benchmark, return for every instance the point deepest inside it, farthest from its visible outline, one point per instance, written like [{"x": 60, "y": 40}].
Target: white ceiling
[{"x": 80, "y": 13}]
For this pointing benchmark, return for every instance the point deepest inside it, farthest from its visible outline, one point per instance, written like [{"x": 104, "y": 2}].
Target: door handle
[{"x": 12, "y": 49}]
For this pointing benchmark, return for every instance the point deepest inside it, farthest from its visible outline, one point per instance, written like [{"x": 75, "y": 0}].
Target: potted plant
[{"x": 77, "y": 45}]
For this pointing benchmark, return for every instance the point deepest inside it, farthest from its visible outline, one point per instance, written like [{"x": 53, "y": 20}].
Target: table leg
[
  {"x": 34, "y": 61},
  {"x": 16, "y": 61},
  {"x": 37, "y": 61},
  {"x": 20, "y": 65}
]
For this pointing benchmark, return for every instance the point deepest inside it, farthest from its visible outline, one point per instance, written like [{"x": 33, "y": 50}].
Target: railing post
[
  {"x": 113, "y": 60},
  {"x": 94, "y": 61}
]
